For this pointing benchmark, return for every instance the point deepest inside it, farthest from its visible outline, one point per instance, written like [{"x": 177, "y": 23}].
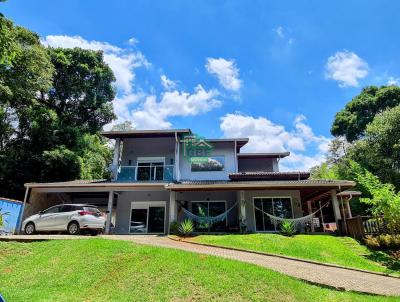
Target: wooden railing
[{"x": 360, "y": 226}]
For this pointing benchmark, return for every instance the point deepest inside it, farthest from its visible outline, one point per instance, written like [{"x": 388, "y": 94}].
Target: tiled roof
[
  {"x": 264, "y": 155},
  {"x": 269, "y": 176}
]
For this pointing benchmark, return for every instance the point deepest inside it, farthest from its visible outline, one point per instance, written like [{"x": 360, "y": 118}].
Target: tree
[
  {"x": 383, "y": 197},
  {"x": 53, "y": 103},
  {"x": 379, "y": 151},
  {"x": 352, "y": 121}
]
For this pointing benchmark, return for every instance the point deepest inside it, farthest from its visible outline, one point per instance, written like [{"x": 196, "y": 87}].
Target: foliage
[
  {"x": 352, "y": 121},
  {"x": 287, "y": 228},
  {"x": 8, "y": 47},
  {"x": 173, "y": 227},
  {"x": 53, "y": 103},
  {"x": 124, "y": 126},
  {"x": 164, "y": 274},
  {"x": 186, "y": 228},
  {"x": 384, "y": 198},
  {"x": 383, "y": 242},
  {"x": 2, "y": 217}
]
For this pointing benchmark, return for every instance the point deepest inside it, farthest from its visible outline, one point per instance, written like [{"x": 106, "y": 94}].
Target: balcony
[{"x": 145, "y": 173}]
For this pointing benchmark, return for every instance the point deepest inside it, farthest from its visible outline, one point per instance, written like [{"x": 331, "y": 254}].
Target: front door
[{"x": 147, "y": 217}]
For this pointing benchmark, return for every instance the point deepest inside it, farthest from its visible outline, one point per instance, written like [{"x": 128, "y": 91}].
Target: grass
[
  {"x": 324, "y": 248},
  {"x": 108, "y": 270}
]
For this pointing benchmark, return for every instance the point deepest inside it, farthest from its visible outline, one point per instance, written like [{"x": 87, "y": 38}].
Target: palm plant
[
  {"x": 288, "y": 228},
  {"x": 186, "y": 228}
]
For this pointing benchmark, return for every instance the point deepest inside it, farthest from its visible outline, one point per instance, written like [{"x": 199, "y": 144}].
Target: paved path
[
  {"x": 335, "y": 277},
  {"x": 331, "y": 276}
]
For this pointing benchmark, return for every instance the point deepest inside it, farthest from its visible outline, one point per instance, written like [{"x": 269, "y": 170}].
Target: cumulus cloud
[
  {"x": 346, "y": 67},
  {"x": 267, "y": 136},
  {"x": 167, "y": 83},
  {"x": 123, "y": 62},
  {"x": 392, "y": 81},
  {"x": 226, "y": 72}
]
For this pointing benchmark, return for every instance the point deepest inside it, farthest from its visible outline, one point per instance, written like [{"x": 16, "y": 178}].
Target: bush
[
  {"x": 288, "y": 228},
  {"x": 383, "y": 242},
  {"x": 186, "y": 228},
  {"x": 173, "y": 227}
]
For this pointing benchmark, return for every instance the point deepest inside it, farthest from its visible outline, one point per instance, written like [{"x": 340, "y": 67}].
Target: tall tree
[{"x": 352, "y": 121}]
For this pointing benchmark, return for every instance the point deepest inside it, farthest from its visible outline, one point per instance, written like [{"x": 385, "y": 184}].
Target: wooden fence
[{"x": 360, "y": 226}]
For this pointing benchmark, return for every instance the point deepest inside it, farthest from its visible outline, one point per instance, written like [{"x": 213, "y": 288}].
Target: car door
[
  {"x": 63, "y": 218},
  {"x": 47, "y": 219}
]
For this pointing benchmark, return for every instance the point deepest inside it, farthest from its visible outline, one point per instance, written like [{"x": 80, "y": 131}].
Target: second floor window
[
  {"x": 212, "y": 163},
  {"x": 150, "y": 169}
]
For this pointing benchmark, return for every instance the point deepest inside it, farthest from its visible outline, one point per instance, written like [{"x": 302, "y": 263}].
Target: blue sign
[{"x": 10, "y": 214}]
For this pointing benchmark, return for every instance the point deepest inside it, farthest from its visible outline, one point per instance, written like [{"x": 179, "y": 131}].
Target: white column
[
  {"x": 242, "y": 206},
  {"x": 348, "y": 208},
  {"x": 336, "y": 209},
  {"x": 177, "y": 154},
  {"x": 309, "y": 212},
  {"x": 18, "y": 229},
  {"x": 115, "y": 161},
  {"x": 109, "y": 211},
  {"x": 172, "y": 206}
]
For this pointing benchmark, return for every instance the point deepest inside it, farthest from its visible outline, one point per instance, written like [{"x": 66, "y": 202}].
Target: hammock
[
  {"x": 296, "y": 221},
  {"x": 210, "y": 220}
]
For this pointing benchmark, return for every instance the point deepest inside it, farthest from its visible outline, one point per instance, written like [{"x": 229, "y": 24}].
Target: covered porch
[{"x": 249, "y": 203}]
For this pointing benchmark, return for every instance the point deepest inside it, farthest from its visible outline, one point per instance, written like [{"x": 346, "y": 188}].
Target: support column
[
  {"x": 172, "y": 206},
  {"x": 115, "y": 161},
  {"x": 336, "y": 209},
  {"x": 309, "y": 212},
  {"x": 109, "y": 211},
  {"x": 347, "y": 202},
  {"x": 21, "y": 217},
  {"x": 177, "y": 160}
]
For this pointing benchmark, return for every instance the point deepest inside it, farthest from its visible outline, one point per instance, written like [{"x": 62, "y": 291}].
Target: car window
[
  {"x": 67, "y": 208},
  {"x": 52, "y": 210},
  {"x": 92, "y": 209}
]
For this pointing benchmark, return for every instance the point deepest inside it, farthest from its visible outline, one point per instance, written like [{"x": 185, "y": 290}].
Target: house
[{"x": 161, "y": 175}]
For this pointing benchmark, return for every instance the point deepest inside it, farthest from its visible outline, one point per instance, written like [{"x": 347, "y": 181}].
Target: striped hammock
[
  {"x": 296, "y": 221},
  {"x": 209, "y": 220}
]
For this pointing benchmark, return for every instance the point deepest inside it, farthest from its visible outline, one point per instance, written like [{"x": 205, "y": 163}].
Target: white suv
[{"x": 66, "y": 217}]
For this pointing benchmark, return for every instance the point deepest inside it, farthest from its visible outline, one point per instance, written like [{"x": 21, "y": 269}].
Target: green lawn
[
  {"x": 324, "y": 248},
  {"x": 108, "y": 270}
]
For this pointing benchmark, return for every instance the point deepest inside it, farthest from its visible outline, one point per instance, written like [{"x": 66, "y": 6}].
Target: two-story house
[{"x": 160, "y": 176}]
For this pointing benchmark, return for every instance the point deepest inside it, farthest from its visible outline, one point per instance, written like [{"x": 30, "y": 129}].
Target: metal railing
[{"x": 145, "y": 173}]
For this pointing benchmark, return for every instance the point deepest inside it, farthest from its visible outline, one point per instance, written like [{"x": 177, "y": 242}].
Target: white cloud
[
  {"x": 280, "y": 31},
  {"x": 226, "y": 71},
  {"x": 266, "y": 136},
  {"x": 347, "y": 68},
  {"x": 133, "y": 41},
  {"x": 167, "y": 83},
  {"x": 392, "y": 81},
  {"x": 123, "y": 62},
  {"x": 153, "y": 114}
]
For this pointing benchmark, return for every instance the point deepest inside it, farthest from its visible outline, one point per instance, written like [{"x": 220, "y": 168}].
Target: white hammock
[
  {"x": 296, "y": 221},
  {"x": 209, "y": 220}
]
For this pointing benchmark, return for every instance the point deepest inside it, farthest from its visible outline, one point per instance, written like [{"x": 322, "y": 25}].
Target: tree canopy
[
  {"x": 53, "y": 102},
  {"x": 352, "y": 121}
]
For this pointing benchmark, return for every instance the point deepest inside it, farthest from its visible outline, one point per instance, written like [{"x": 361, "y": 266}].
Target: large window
[
  {"x": 276, "y": 206},
  {"x": 150, "y": 169},
  {"x": 209, "y": 208},
  {"x": 212, "y": 163}
]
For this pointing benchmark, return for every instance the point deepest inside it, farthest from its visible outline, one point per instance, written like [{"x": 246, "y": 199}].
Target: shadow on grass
[{"x": 385, "y": 259}]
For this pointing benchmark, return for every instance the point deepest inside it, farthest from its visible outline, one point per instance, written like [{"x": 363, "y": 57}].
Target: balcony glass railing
[{"x": 145, "y": 173}]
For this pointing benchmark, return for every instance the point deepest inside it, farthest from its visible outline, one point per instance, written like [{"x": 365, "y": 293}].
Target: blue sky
[{"x": 275, "y": 71}]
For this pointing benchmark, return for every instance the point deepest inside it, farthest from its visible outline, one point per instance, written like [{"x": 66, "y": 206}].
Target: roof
[
  {"x": 264, "y": 155},
  {"x": 240, "y": 142},
  {"x": 269, "y": 175},
  {"x": 200, "y": 185},
  {"x": 10, "y": 200},
  {"x": 144, "y": 133},
  {"x": 101, "y": 183}
]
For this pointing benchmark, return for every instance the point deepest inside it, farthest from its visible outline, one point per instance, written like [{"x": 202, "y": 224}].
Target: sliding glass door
[
  {"x": 209, "y": 208},
  {"x": 147, "y": 218},
  {"x": 276, "y": 206}
]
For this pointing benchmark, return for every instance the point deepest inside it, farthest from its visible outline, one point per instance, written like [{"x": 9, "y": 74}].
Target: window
[
  {"x": 209, "y": 208},
  {"x": 67, "y": 208},
  {"x": 213, "y": 163},
  {"x": 150, "y": 169},
  {"x": 52, "y": 210},
  {"x": 277, "y": 206}
]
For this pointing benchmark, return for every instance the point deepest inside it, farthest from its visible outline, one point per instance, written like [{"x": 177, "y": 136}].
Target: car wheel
[
  {"x": 73, "y": 228},
  {"x": 30, "y": 228}
]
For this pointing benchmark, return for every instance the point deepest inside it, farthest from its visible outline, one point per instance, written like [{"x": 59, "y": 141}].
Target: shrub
[
  {"x": 186, "y": 228},
  {"x": 372, "y": 243},
  {"x": 383, "y": 242},
  {"x": 173, "y": 227},
  {"x": 288, "y": 228}
]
